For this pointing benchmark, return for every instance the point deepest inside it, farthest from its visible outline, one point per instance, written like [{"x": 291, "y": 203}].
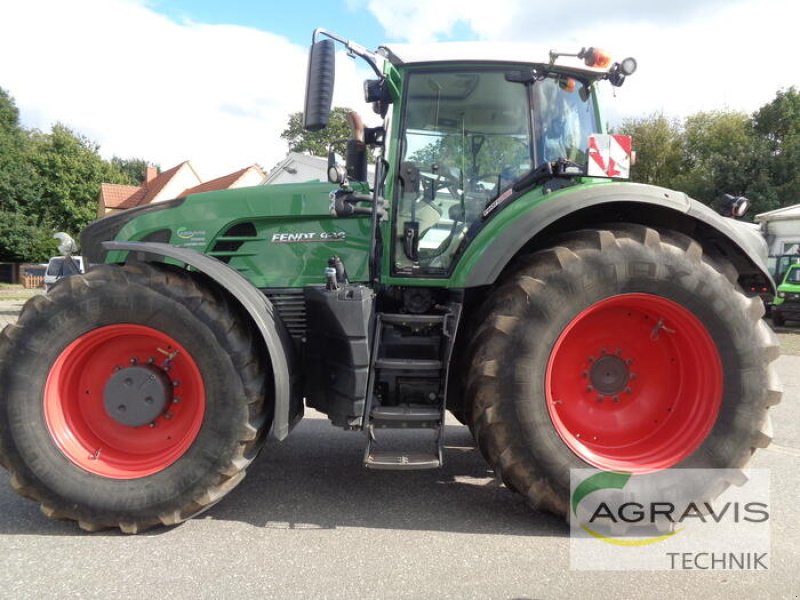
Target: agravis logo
[
  {"x": 674, "y": 519},
  {"x": 603, "y": 481}
]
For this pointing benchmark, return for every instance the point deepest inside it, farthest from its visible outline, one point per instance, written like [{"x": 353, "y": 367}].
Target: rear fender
[
  {"x": 288, "y": 402},
  {"x": 594, "y": 205}
]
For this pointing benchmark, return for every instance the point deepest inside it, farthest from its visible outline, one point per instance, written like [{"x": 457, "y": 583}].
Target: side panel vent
[
  {"x": 291, "y": 307},
  {"x": 228, "y": 244},
  {"x": 241, "y": 230}
]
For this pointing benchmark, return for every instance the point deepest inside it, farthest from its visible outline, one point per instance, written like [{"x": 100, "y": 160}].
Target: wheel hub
[
  {"x": 136, "y": 395},
  {"x": 609, "y": 375}
]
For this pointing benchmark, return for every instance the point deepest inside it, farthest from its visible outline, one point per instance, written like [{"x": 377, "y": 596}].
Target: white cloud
[
  {"x": 424, "y": 21},
  {"x": 692, "y": 55},
  {"x": 143, "y": 85}
]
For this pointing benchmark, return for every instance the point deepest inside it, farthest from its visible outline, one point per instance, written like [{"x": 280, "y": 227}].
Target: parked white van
[{"x": 61, "y": 266}]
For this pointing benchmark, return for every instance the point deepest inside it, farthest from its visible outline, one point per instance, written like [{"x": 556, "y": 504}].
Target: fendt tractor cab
[{"x": 496, "y": 266}]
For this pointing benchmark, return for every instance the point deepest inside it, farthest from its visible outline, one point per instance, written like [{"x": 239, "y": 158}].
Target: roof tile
[{"x": 113, "y": 195}]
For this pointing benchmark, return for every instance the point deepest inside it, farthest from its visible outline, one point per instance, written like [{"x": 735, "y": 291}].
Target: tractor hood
[
  {"x": 276, "y": 236},
  {"x": 181, "y": 221}
]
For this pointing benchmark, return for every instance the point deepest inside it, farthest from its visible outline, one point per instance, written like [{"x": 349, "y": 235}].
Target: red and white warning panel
[{"x": 609, "y": 156}]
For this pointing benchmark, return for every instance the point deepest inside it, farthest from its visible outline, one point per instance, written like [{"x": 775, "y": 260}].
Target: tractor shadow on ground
[{"x": 315, "y": 480}]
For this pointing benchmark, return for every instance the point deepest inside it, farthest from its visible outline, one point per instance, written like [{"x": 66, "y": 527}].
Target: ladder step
[
  {"x": 401, "y": 319},
  {"x": 407, "y": 461},
  {"x": 400, "y": 364},
  {"x": 406, "y": 413}
]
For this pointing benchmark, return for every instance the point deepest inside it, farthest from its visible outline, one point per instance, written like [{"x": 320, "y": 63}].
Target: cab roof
[{"x": 513, "y": 52}]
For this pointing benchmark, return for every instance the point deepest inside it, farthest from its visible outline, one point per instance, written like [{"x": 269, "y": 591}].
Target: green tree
[
  {"x": 22, "y": 237},
  {"x": 778, "y": 126},
  {"x": 134, "y": 169},
  {"x": 18, "y": 180},
  {"x": 49, "y": 182},
  {"x": 317, "y": 143},
  {"x": 72, "y": 171},
  {"x": 657, "y": 141},
  {"x": 722, "y": 155}
]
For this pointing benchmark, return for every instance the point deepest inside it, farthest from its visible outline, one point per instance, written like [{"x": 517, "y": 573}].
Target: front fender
[
  {"x": 520, "y": 224},
  {"x": 260, "y": 310}
]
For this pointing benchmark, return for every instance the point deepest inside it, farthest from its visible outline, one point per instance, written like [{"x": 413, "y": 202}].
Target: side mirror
[{"x": 319, "y": 85}]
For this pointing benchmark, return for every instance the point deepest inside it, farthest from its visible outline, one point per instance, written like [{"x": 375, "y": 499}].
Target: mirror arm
[{"x": 353, "y": 49}]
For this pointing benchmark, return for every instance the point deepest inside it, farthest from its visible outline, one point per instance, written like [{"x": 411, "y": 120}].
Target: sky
[{"x": 215, "y": 82}]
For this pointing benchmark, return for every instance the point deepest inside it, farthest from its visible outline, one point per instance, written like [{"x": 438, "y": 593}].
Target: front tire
[
  {"x": 132, "y": 396},
  {"x": 624, "y": 350}
]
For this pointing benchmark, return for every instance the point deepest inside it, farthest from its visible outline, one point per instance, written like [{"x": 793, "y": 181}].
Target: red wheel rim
[
  {"x": 88, "y": 435},
  {"x": 634, "y": 383}
]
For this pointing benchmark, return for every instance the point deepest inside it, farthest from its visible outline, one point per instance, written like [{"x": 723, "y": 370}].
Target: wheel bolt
[
  {"x": 589, "y": 388},
  {"x": 151, "y": 360},
  {"x": 628, "y": 390},
  {"x": 584, "y": 374},
  {"x": 153, "y": 424},
  {"x": 632, "y": 376},
  {"x": 167, "y": 415},
  {"x": 629, "y": 361},
  {"x": 616, "y": 398},
  {"x": 134, "y": 361},
  {"x": 176, "y": 400}
]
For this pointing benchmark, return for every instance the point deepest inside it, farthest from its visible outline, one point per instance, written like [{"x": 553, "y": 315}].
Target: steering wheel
[{"x": 443, "y": 180}]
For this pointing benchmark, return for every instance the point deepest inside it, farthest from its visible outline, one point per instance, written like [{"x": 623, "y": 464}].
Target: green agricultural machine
[{"x": 494, "y": 266}]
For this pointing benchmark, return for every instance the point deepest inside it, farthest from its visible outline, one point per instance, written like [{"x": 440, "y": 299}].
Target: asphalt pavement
[{"x": 310, "y": 522}]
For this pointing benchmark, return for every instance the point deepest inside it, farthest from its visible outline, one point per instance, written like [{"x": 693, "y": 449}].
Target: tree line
[
  {"x": 49, "y": 182},
  {"x": 713, "y": 153}
]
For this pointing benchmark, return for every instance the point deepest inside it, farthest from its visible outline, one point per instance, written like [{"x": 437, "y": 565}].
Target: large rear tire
[
  {"x": 132, "y": 396},
  {"x": 620, "y": 349}
]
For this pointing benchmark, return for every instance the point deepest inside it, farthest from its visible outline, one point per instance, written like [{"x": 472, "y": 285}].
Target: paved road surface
[{"x": 309, "y": 522}]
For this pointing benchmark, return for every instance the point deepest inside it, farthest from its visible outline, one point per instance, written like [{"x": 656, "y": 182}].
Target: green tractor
[
  {"x": 786, "y": 304},
  {"x": 495, "y": 267}
]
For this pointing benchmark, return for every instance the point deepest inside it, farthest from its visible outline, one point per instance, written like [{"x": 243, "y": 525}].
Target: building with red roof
[{"x": 180, "y": 180}]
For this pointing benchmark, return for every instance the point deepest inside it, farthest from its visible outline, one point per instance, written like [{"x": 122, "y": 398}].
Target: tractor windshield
[{"x": 471, "y": 134}]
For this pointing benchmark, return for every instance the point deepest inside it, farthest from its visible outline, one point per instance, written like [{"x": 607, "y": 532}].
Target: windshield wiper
[
  {"x": 562, "y": 169},
  {"x": 550, "y": 169}
]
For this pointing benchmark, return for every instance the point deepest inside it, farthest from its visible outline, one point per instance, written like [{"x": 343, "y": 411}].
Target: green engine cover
[{"x": 277, "y": 236}]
